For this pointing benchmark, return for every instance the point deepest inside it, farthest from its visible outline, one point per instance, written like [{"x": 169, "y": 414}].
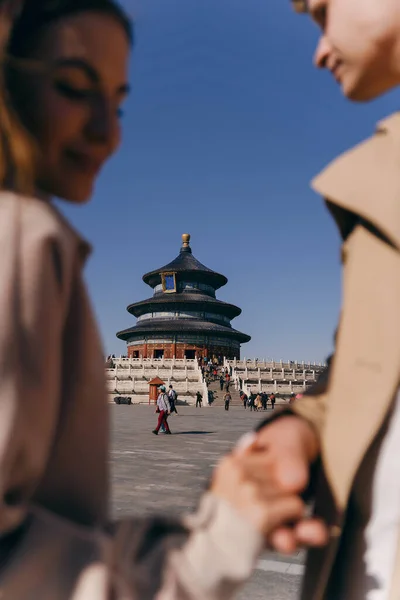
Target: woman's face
[{"x": 72, "y": 106}]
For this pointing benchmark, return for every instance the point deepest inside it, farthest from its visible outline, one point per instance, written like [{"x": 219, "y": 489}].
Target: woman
[{"x": 63, "y": 79}]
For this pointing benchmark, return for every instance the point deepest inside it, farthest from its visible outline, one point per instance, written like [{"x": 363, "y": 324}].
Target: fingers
[
  {"x": 283, "y": 540},
  {"x": 283, "y": 510},
  {"x": 288, "y": 475},
  {"x": 307, "y": 533},
  {"x": 292, "y": 472},
  {"x": 311, "y": 533}
]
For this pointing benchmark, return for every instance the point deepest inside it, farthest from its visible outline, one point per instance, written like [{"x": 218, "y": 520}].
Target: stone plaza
[{"x": 167, "y": 474}]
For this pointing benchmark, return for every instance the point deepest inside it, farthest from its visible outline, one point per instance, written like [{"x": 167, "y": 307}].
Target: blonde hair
[{"x": 18, "y": 150}]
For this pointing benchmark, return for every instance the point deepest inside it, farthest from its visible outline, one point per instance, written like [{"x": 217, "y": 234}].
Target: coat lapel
[
  {"x": 367, "y": 363},
  {"x": 366, "y": 180},
  {"x": 364, "y": 183}
]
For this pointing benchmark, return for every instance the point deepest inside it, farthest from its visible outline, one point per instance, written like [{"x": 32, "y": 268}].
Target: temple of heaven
[{"x": 183, "y": 318}]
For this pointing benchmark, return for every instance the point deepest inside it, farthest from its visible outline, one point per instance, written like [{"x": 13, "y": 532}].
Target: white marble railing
[
  {"x": 156, "y": 362},
  {"x": 271, "y": 375},
  {"x": 141, "y": 388},
  {"x": 131, "y": 376},
  {"x": 273, "y": 364}
]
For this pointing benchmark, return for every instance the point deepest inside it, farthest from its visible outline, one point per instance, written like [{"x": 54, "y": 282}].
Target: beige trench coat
[
  {"x": 362, "y": 189},
  {"x": 55, "y": 542}
]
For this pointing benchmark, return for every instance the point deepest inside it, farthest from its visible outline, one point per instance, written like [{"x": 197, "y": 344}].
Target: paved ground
[{"x": 168, "y": 473}]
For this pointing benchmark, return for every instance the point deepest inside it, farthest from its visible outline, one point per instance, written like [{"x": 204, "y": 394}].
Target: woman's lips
[{"x": 85, "y": 163}]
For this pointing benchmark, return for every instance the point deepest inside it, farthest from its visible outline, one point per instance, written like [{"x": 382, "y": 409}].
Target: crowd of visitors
[{"x": 258, "y": 401}]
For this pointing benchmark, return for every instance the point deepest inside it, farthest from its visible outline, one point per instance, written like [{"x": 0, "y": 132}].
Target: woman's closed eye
[
  {"x": 81, "y": 94},
  {"x": 73, "y": 92}
]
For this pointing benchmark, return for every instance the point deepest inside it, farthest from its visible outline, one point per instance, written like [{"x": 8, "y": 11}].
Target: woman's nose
[{"x": 104, "y": 127}]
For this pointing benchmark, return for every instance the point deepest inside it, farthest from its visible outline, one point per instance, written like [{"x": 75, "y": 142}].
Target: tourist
[
  {"x": 221, "y": 382},
  {"x": 199, "y": 399},
  {"x": 272, "y": 400},
  {"x": 258, "y": 402},
  {"x": 227, "y": 400},
  {"x": 264, "y": 400},
  {"x": 354, "y": 414},
  {"x": 244, "y": 399},
  {"x": 172, "y": 397},
  {"x": 252, "y": 400},
  {"x": 64, "y": 65},
  {"x": 163, "y": 410}
]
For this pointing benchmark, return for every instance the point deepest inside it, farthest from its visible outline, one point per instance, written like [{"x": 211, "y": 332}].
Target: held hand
[
  {"x": 283, "y": 451},
  {"x": 252, "y": 498}
]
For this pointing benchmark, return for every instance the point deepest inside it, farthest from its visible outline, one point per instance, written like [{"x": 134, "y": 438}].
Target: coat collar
[
  {"x": 365, "y": 182},
  {"x": 83, "y": 246}
]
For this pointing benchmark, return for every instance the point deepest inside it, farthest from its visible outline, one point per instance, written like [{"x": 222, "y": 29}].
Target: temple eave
[
  {"x": 177, "y": 327},
  {"x": 185, "y": 302}
]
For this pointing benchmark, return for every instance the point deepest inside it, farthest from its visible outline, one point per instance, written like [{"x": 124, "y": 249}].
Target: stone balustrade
[
  {"x": 130, "y": 377},
  {"x": 284, "y": 378},
  {"x": 273, "y": 364}
]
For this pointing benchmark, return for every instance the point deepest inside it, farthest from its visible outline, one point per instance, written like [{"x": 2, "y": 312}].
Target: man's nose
[{"x": 322, "y": 52}]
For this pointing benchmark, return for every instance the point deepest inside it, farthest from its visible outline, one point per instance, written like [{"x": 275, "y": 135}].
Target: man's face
[{"x": 360, "y": 44}]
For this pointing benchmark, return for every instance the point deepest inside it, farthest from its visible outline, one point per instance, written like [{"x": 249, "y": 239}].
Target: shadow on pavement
[{"x": 193, "y": 432}]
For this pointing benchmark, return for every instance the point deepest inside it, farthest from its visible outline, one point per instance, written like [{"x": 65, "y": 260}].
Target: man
[
  {"x": 227, "y": 400},
  {"x": 264, "y": 400},
  {"x": 352, "y": 422},
  {"x": 199, "y": 399},
  {"x": 172, "y": 396},
  {"x": 163, "y": 410},
  {"x": 251, "y": 401}
]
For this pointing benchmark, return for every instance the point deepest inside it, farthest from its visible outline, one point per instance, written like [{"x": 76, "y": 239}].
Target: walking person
[
  {"x": 163, "y": 410},
  {"x": 227, "y": 400},
  {"x": 272, "y": 400},
  {"x": 244, "y": 399},
  {"x": 221, "y": 383},
  {"x": 264, "y": 400},
  {"x": 251, "y": 402},
  {"x": 172, "y": 397},
  {"x": 199, "y": 399}
]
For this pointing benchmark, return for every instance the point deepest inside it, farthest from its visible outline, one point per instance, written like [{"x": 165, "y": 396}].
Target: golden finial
[
  {"x": 300, "y": 6},
  {"x": 185, "y": 240}
]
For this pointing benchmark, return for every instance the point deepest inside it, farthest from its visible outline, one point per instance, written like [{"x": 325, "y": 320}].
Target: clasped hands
[{"x": 264, "y": 480}]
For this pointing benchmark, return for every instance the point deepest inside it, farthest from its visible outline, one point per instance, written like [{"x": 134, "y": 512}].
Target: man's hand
[
  {"x": 252, "y": 498},
  {"x": 280, "y": 457}
]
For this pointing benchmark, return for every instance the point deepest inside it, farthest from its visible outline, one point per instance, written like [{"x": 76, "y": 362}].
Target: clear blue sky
[{"x": 227, "y": 123}]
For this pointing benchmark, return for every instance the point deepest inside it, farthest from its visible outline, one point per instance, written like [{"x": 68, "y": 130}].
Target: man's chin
[{"x": 362, "y": 91}]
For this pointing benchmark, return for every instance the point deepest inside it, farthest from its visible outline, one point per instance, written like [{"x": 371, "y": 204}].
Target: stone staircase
[{"x": 219, "y": 396}]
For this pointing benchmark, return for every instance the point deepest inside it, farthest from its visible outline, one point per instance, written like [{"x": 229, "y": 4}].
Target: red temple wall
[{"x": 178, "y": 350}]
